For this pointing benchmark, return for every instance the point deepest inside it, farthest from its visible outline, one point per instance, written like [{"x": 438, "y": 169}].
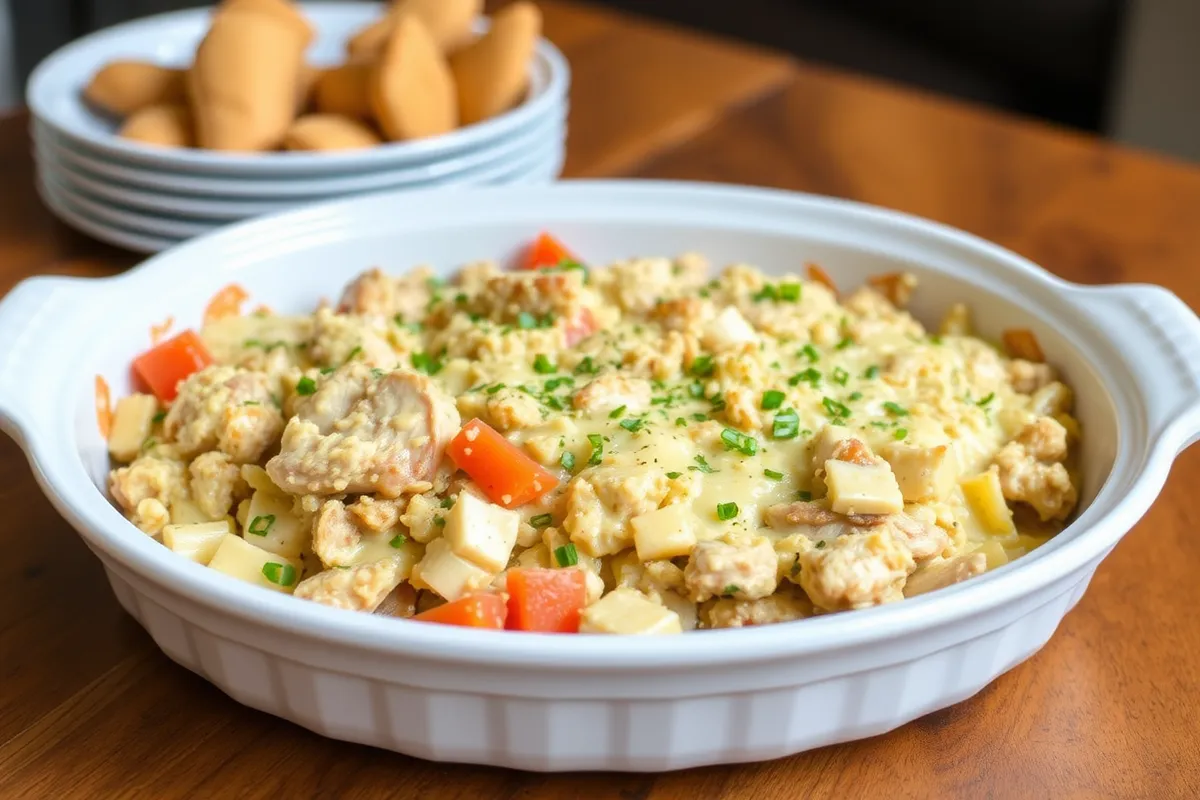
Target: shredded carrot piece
[
  {"x": 815, "y": 273},
  {"x": 104, "y": 413},
  {"x": 1023, "y": 343},
  {"x": 225, "y": 303},
  {"x": 157, "y": 332}
]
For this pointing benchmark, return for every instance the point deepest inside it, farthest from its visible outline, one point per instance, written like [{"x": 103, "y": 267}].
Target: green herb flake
[
  {"x": 696, "y": 390},
  {"x": 789, "y": 292},
  {"x": 159, "y": 417},
  {"x": 586, "y": 367},
  {"x": 844, "y": 343},
  {"x": 526, "y": 321},
  {"x": 566, "y": 556},
  {"x": 834, "y": 408},
  {"x": 702, "y": 367},
  {"x": 633, "y": 425},
  {"x": 680, "y": 422},
  {"x": 279, "y": 574},
  {"x": 773, "y": 474},
  {"x": 810, "y": 376},
  {"x": 541, "y": 520},
  {"x": 674, "y": 475},
  {"x": 597, "y": 443},
  {"x": 772, "y": 400},
  {"x": 261, "y": 526},
  {"x": 731, "y": 589},
  {"x": 840, "y": 376},
  {"x": 855, "y": 396},
  {"x": 821, "y": 544},
  {"x": 567, "y": 460},
  {"x": 786, "y": 425},
  {"x": 726, "y": 511},
  {"x": 895, "y": 409},
  {"x": 736, "y": 440},
  {"x": 872, "y": 372},
  {"x": 357, "y": 349},
  {"x": 495, "y": 387},
  {"x": 426, "y": 363},
  {"x": 306, "y": 386},
  {"x": 398, "y": 540},
  {"x": 987, "y": 400},
  {"x": 767, "y": 292},
  {"x": 543, "y": 365},
  {"x": 616, "y": 412},
  {"x": 900, "y": 434},
  {"x": 698, "y": 417},
  {"x": 702, "y": 465},
  {"x": 809, "y": 352}
]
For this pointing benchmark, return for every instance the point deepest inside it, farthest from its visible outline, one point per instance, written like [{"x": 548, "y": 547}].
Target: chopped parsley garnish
[
  {"x": 702, "y": 465},
  {"x": 357, "y": 349},
  {"x": 730, "y": 589},
  {"x": 439, "y": 521},
  {"x": 895, "y": 409},
  {"x": 567, "y": 459},
  {"x": 327, "y": 370},
  {"x": 718, "y": 404},
  {"x": 855, "y": 396},
  {"x": 586, "y": 367},
  {"x": 680, "y": 422},
  {"x": 736, "y": 440},
  {"x": 726, "y": 511},
  {"x": 840, "y": 376},
  {"x": 398, "y": 540},
  {"x": 872, "y": 372},
  {"x": 698, "y": 417},
  {"x": 985, "y": 401},
  {"x": 159, "y": 417},
  {"x": 810, "y": 376},
  {"x": 597, "y": 442},
  {"x": 306, "y": 386},
  {"x": 447, "y": 502},
  {"x": 279, "y": 574},
  {"x": 426, "y": 363},
  {"x": 773, "y": 474},
  {"x": 566, "y": 556},
  {"x": 786, "y": 425},
  {"x": 803, "y": 495},
  {"x": 616, "y": 412},
  {"x": 789, "y": 292},
  {"x": 541, "y": 520},
  {"x": 543, "y": 365},
  {"x": 900, "y": 433},
  {"x": 554, "y": 383},
  {"x": 810, "y": 352},
  {"x": 767, "y": 292},
  {"x": 495, "y": 387},
  {"x": 696, "y": 390},
  {"x": 261, "y": 526},
  {"x": 844, "y": 343},
  {"x": 772, "y": 400},
  {"x": 702, "y": 367},
  {"x": 835, "y": 409},
  {"x": 377, "y": 373},
  {"x": 674, "y": 475},
  {"x": 633, "y": 425}
]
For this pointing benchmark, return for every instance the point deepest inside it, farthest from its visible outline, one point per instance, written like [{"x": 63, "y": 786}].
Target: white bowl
[
  {"x": 66, "y": 210},
  {"x": 545, "y": 702},
  {"x": 55, "y": 97},
  {"x": 221, "y": 198}
]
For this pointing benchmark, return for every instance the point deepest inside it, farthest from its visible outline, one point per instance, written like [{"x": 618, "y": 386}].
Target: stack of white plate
[{"x": 150, "y": 198}]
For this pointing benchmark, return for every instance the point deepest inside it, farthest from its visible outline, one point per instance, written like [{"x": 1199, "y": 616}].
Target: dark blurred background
[{"x": 1123, "y": 68}]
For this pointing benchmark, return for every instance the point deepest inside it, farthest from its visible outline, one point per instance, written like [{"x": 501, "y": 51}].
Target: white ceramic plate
[
  {"x": 230, "y": 198},
  {"x": 542, "y": 702},
  {"x": 67, "y": 211},
  {"x": 55, "y": 97}
]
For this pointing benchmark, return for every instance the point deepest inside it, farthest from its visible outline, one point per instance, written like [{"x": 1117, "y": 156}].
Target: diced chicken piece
[
  {"x": 360, "y": 588},
  {"x": 146, "y": 488},
  {"x": 1045, "y": 439},
  {"x": 628, "y": 611},
  {"x": 510, "y": 410},
  {"x": 717, "y": 569},
  {"x": 985, "y": 499},
  {"x": 558, "y": 294},
  {"x": 216, "y": 483},
  {"x": 728, "y": 329},
  {"x": 227, "y": 408},
  {"x": 664, "y": 533},
  {"x": 637, "y": 285},
  {"x": 1045, "y": 486},
  {"x": 132, "y": 421},
  {"x": 856, "y": 571},
  {"x": 341, "y": 338},
  {"x": 336, "y": 539},
  {"x": 923, "y": 539},
  {"x": 945, "y": 573},
  {"x": 360, "y": 435},
  {"x": 779, "y": 607},
  {"x": 812, "y": 516},
  {"x": 481, "y": 532},
  {"x": 818, "y": 524},
  {"x": 609, "y": 392},
  {"x": 374, "y": 293},
  {"x": 374, "y": 514},
  {"x": 601, "y": 501},
  {"x": 448, "y": 574},
  {"x": 1027, "y": 377},
  {"x": 857, "y": 489},
  {"x": 420, "y": 517},
  {"x": 683, "y": 314},
  {"x": 924, "y": 474}
]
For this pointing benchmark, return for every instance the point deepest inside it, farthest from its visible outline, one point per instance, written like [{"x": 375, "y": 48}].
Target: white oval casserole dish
[{"x": 591, "y": 702}]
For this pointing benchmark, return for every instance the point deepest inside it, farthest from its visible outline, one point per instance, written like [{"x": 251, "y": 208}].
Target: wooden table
[{"x": 1110, "y": 708}]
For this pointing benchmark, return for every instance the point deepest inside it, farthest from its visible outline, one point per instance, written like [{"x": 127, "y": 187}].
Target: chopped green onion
[
  {"x": 567, "y": 459},
  {"x": 543, "y": 365},
  {"x": 835, "y": 409},
  {"x": 541, "y": 520},
  {"x": 698, "y": 417},
  {"x": 810, "y": 376},
  {"x": 844, "y": 343},
  {"x": 616, "y": 412},
  {"x": 726, "y": 511},
  {"x": 306, "y": 386},
  {"x": 495, "y": 387},
  {"x": 554, "y": 383},
  {"x": 872, "y": 372},
  {"x": 895, "y": 409},
  {"x": 772, "y": 400},
  {"x": 680, "y": 422},
  {"x": 159, "y": 417},
  {"x": 900, "y": 433},
  {"x": 736, "y": 440},
  {"x": 566, "y": 556},
  {"x": 597, "y": 442},
  {"x": 357, "y": 349},
  {"x": 789, "y": 292},
  {"x": 840, "y": 376},
  {"x": 674, "y": 475},
  {"x": 398, "y": 540},
  {"x": 786, "y": 425},
  {"x": 261, "y": 526},
  {"x": 586, "y": 367},
  {"x": 984, "y": 402},
  {"x": 426, "y": 363},
  {"x": 855, "y": 396},
  {"x": 702, "y": 367},
  {"x": 810, "y": 352},
  {"x": 773, "y": 475},
  {"x": 702, "y": 465},
  {"x": 730, "y": 589},
  {"x": 718, "y": 404},
  {"x": 279, "y": 574},
  {"x": 633, "y": 425},
  {"x": 696, "y": 390}
]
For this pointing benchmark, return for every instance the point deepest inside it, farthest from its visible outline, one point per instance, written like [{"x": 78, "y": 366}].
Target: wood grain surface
[{"x": 1109, "y": 708}]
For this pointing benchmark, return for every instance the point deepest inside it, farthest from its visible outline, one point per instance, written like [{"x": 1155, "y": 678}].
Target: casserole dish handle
[
  {"x": 32, "y": 338},
  {"x": 1160, "y": 339}
]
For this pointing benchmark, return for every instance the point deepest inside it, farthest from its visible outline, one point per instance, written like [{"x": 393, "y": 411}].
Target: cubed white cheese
[
  {"x": 237, "y": 557},
  {"x": 446, "y": 573},
  {"x": 271, "y": 525},
  {"x": 664, "y": 533},
  {"x": 924, "y": 474},
  {"x": 628, "y": 611},
  {"x": 858, "y": 489},
  {"x": 481, "y": 532},
  {"x": 196, "y": 541},
  {"x": 132, "y": 421},
  {"x": 727, "y": 329}
]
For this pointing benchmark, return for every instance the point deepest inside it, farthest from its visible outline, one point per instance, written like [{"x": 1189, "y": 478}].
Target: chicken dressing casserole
[{"x": 641, "y": 448}]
